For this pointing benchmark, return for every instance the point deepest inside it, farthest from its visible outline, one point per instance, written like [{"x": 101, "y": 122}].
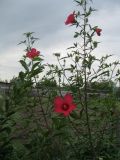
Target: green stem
[
  {"x": 44, "y": 115},
  {"x": 85, "y": 88},
  {"x": 70, "y": 83}
]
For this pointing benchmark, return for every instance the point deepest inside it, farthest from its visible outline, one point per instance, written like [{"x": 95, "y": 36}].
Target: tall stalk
[
  {"x": 39, "y": 98},
  {"x": 29, "y": 45},
  {"x": 85, "y": 87}
]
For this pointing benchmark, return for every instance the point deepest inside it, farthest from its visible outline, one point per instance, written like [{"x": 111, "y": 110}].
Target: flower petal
[
  {"x": 38, "y": 53},
  {"x": 68, "y": 98},
  {"x": 98, "y": 31},
  {"x": 71, "y": 108},
  {"x": 33, "y": 50},
  {"x": 58, "y": 102},
  {"x": 66, "y": 113},
  {"x": 70, "y": 19}
]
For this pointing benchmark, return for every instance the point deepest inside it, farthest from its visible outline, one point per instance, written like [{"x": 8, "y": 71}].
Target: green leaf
[
  {"x": 35, "y": 65},
  {"x": 24, "y": 65},
  {"x": 74, "y": 115},
  {"x": 28, "y": 34},
  {"x": 77, "y": 59},
  {"x": 22, "y": 42},
  {"x": 95, "y": 44},
  {"x": 22, "y": 75},
  {"x": 36, "y": 72},
  {"x": 37, "y": 59},
  {"x": 76, "y": 35},
  {"x": 80, "y": 2}
]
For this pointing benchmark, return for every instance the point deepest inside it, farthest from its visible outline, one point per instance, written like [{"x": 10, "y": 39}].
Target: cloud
[{"x": 46, "y": 18}]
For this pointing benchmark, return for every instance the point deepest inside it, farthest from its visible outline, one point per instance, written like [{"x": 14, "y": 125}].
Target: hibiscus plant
[{"x": 56, "y": 114}]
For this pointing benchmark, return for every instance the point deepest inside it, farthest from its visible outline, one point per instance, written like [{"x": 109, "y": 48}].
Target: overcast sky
[{"x": 46, "y": 18}]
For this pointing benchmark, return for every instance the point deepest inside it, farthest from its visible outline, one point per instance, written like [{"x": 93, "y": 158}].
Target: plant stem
[
  {"x": 70, "y": 83},
  {"x": 85, "y": 87},
  {"x": 44, "y": 115}
]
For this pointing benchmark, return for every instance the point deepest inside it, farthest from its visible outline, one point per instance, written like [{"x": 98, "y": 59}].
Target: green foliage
[
  {"x": 47, "y": 83},
  {"x": 29, "y": 127},
  {"x": 104, "y": 86}
]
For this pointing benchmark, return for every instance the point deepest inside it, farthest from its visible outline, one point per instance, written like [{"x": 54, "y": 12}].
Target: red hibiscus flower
[
  {"x": 98, "y": 31},
  {"x": 64, "y": 105},
  {"x": 32, "y": 53},
  {"x": 70, "y": 19}
]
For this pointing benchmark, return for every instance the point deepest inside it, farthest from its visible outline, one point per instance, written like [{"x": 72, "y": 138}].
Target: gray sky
[{"x": 46, "y": 18}]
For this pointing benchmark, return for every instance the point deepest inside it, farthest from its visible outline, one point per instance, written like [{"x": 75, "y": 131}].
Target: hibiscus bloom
[
  {"x": 98, "y": 31},
  {"x": 32, "y": 53},
  {"x": 70, "y": 19},
  {"x": 64, "y": 105}
]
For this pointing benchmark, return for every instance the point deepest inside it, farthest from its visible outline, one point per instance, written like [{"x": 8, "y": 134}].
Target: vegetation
[{"x": 38, "y": 121}]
